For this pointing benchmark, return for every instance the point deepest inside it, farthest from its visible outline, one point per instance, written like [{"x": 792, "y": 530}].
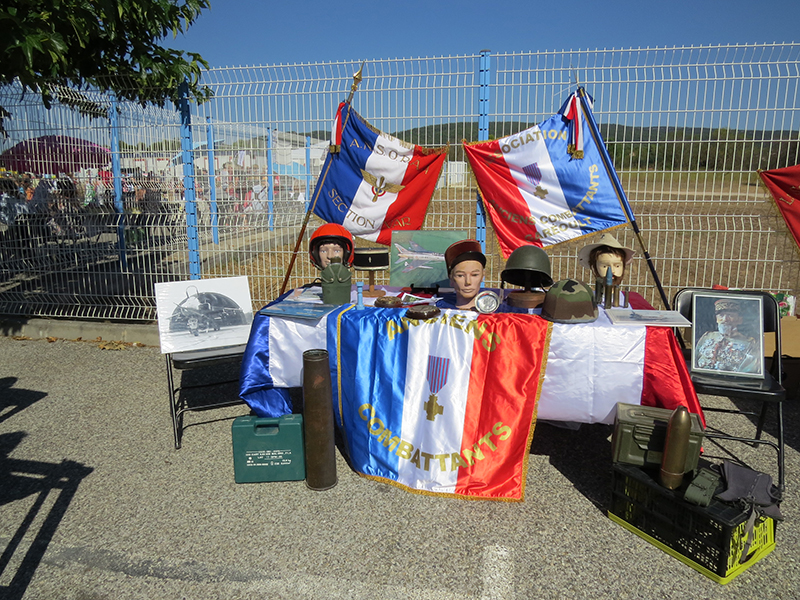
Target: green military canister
[
  {"x": 268, "y": 449},
  {"x": 640, "y": 433},
  {"x": 336, "y": 283}
]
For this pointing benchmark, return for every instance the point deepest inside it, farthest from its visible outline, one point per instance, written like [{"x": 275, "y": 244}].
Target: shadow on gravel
[
  {"x": 46, "y": 489},
  {"x": 15, "y": 400},
  {"x": 204, "y": 390},
  {"x": 583, "y": 456}
]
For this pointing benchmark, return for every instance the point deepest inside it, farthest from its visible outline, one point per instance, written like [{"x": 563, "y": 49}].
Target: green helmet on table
[{"x": 569, "y": 301}]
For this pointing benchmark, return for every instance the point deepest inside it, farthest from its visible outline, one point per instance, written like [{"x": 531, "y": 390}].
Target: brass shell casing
[
  {"x": 676, "y": 447},
  {"x": 320, "y": 447}
]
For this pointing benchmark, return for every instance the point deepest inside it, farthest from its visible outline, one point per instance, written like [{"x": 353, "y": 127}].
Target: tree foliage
[{"x": 54, "y": 47}]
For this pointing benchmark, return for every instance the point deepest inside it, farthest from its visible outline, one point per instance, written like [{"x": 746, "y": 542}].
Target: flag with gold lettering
[
  {"x": 551, "y": 183},
  {"x": 373, "y": 183},
  {"x": 444, "y": 406},
  {"x": 784, "y": 185}
]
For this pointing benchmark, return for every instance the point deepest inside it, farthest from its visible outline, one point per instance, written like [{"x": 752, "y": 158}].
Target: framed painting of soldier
[{"x": 728, "y": 335}]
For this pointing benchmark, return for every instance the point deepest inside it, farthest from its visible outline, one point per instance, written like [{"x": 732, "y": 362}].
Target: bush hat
[{"x": 605, "y": 240}]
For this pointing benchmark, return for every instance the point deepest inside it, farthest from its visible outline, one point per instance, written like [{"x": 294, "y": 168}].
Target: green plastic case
[{"x": 268, "y": 449}]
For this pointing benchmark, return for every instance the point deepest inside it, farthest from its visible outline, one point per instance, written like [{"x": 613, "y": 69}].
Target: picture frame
[
  {"x": 728, "y": 334},
  {"x": 199, "y": 314},
  {"x": 651, "y": 318},
  {"x": 417, "y": 257}
]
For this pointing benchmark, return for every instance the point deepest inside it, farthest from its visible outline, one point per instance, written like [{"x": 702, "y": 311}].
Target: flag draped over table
[
  {"x": 551, "y": 183},
  {"x": 444, "y": 406},
  {"x": 373, "y": 183},
  {"x": 784, "y": 185}
]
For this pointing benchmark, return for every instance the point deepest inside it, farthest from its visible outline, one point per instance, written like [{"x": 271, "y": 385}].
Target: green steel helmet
[
  {"x": 569, "y": 301},
  {"x": 528, "y": 267}
]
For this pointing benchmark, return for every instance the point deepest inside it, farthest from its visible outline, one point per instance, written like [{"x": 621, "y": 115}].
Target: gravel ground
[{"x": 97, "y": 504}]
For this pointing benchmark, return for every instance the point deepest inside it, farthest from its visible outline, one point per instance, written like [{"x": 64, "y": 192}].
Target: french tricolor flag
[
  {"x": 461, "y": 425},
  {"x": 550, "y": 183},
  {"x": 373, "y": 183}
]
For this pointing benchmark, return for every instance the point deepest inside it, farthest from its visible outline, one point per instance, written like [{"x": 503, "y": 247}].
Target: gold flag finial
[{"x": 356, "y": 80}]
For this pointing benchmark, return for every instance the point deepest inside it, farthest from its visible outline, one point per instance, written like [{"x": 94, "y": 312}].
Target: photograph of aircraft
[{"x": 417, "y": 257}]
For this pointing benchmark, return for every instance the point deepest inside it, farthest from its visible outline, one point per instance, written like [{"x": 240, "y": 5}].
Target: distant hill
[{"x": 662, "y": 148}]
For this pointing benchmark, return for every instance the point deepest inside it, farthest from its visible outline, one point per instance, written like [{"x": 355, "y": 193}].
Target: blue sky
[{"x": 262, "y": 32}]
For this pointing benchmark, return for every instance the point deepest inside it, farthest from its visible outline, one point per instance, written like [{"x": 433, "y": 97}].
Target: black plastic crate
[{"x": 710, "y": 539}]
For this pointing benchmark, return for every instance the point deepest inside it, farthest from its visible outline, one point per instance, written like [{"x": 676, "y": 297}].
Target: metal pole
[
  {"x": 308, "y": 171},
  {"x": 188, "y": 182},
  {"x": 116, "y": 170},
  {"x": 271, "y": 183},
  {"x": 484, "y": 81},
  {"x": 212, "y": 182}
]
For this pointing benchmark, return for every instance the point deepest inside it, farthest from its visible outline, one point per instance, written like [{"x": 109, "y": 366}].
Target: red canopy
[{"x": 54, "y": 154}]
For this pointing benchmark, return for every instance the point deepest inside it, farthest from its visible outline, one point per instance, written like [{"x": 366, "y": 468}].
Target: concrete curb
[{"x": 141, "y": 333}]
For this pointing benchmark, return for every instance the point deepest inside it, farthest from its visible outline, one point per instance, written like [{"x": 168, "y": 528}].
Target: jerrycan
[{"x": 336, "y": 283}]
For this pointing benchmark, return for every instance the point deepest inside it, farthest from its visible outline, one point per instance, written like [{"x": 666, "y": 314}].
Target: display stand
[{"x": 371, "y": 260}]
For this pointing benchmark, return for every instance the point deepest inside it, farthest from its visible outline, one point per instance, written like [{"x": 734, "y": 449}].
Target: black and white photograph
[{"x": 203, "y": 313}]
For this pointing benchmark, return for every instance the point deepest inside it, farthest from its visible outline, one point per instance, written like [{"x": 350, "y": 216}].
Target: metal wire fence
[{"x": 687, "y": 128}]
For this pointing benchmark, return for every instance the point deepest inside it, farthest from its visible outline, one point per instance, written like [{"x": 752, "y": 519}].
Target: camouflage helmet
[
  {"x": 569, "y": 301},
  {"x": 528, "y": 267}
]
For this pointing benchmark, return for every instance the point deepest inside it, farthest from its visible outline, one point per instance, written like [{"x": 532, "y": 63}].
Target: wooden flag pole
[{"x": 356, "y": 80}]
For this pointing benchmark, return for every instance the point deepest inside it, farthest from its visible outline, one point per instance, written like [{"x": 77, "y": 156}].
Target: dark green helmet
[
  {"x": 569, "y": 301},
  {"x": 528, "y": 267}
]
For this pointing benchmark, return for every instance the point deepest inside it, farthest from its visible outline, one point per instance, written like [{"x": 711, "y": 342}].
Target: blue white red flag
[
  {"x": 551, "y": 183},
  {"x": 375, "y": 183},
  {"x": 444, "y": 406}
]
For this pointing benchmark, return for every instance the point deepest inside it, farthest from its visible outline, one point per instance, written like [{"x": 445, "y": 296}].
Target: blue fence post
[
  {"x": 308, "y": 172},
  {"x": 188, "y": 182},
  {"x": 212, "y": 182},
  {"x": 116, "y": 170},
  {"x": 484, "y": 82},
  {"x": 271, "y": 188}
]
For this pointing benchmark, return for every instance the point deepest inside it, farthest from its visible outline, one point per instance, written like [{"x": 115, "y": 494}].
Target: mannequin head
[
  {"x": 465, "y": 268},
  {"x": 466, "y": 278},
  {"x": 331, "y": 241},
  {"x": 607, "y": 252},
  {"x": 328, "y": 251},
  {"x": 603, "y": 257}
]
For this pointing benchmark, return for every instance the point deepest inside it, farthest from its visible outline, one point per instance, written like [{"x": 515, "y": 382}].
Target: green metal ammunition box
[
  {"x": 268, "y": 449},
  {"x": 640, "y": 433}
]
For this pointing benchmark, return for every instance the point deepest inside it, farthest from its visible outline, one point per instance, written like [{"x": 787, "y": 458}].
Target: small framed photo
[{"x": 728, "y": 335}]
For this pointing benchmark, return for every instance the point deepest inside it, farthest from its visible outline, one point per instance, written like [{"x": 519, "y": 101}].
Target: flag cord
[{"x": 621, "y": 195}]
